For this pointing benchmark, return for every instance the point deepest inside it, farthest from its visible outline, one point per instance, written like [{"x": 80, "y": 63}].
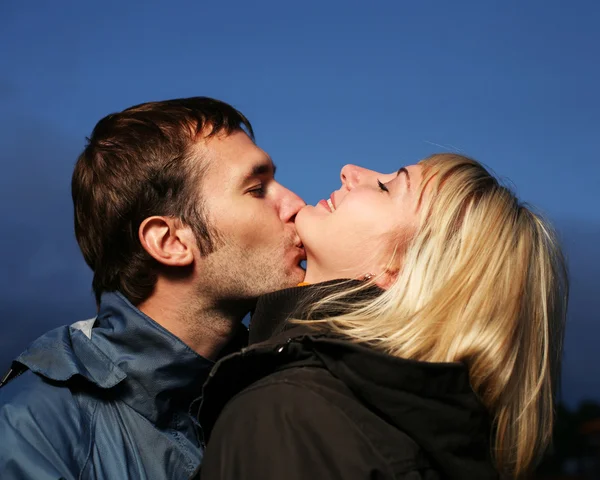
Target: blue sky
[{"x": 379, "y": 84}]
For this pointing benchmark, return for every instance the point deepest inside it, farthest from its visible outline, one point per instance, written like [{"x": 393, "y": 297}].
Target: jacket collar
[
  {"x": 143, "y": 364},
  {"x": 274, "y": 309}
]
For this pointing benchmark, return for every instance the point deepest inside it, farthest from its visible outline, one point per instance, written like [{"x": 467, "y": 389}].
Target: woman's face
[{"x": 355, "y": 230}]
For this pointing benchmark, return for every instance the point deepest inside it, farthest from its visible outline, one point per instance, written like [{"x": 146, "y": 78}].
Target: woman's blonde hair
[{"x": 483, "y": 282}]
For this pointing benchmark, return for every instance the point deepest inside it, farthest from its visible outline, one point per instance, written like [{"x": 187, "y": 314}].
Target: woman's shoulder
[
  {"x": 316, "y": 378},
  {"x": 307, "y": 402},
  {"x": 314, "y": 400},
  {"x": 289, "y": 387}
]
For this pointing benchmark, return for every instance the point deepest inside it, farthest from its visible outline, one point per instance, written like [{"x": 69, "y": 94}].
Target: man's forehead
[{"x": 235, "y": 157}]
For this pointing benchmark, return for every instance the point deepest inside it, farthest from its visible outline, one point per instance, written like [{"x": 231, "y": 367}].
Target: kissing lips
[{"x": 301, "y": 255}]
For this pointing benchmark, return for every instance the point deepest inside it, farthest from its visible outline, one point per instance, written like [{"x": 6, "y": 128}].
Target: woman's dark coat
[{"x": 301, "y": 405}]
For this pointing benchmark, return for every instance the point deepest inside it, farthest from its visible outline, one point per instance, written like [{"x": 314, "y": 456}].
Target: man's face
[{"x": 257, "y": 248}]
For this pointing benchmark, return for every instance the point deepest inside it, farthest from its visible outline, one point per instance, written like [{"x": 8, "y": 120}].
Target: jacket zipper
[{"x": 11, "y": 375}]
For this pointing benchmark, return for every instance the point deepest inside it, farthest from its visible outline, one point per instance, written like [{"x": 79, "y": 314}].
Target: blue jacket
[{"x": 108, "y": 398}]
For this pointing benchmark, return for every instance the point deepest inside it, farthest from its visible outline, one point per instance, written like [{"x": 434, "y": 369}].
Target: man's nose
[
  {"x": 351, "y": 175},
  {"x": 290, "y": 205}
]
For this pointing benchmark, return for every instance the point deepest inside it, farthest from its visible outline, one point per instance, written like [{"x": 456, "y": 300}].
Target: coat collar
[
  {"x": 274, "y": 309},
  {"x": 142, "y": 364}
]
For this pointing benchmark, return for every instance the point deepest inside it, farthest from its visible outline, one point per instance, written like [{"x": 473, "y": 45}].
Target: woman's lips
[
  {"x": 324, "y": 204},
  {"x": 328, "y": 204}
]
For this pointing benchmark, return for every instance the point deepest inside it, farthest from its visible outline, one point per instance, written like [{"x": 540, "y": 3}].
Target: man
[{"x": 178, "y": 215}]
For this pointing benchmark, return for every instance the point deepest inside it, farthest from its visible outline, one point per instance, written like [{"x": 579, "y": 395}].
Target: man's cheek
[{"x": 256, "y": 237}]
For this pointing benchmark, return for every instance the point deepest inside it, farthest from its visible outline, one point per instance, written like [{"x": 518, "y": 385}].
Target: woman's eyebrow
[{"x": 404, "y": 170}]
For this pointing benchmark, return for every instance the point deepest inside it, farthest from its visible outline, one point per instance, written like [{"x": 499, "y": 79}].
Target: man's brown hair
[{"x": 139, "y": 163}]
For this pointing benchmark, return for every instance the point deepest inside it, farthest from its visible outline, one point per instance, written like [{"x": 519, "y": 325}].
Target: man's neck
[{"x": 203, "y": 326}]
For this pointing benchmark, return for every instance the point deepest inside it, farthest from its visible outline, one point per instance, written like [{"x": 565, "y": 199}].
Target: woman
[{"x": 435, "y": 356}]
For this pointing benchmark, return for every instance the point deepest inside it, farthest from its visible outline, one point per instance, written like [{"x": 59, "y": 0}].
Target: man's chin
[
  {"x": 280, "y": 279},
  {"x": 294, "y": 277},
  {"x": 300, "y": 271}
]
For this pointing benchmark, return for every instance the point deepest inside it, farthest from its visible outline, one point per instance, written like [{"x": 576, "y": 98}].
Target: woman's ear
[
  {"x": 167, "y": 240},
  {"x": 386, "y": 279}
]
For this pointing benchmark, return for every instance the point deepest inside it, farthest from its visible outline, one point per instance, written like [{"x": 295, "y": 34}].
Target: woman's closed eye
[{"x": 382, "y": 186}]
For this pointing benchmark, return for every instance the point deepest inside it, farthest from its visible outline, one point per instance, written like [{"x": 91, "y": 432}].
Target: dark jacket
[
  {"x": 107, "y": 398},
  {"x": 302, "y": 405}
]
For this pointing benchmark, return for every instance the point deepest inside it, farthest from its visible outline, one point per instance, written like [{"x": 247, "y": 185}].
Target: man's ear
[{"x": 167, "y": 240}]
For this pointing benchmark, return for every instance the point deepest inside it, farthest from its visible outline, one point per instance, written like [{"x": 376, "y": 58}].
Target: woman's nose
[{"x": 350, "y": 175}]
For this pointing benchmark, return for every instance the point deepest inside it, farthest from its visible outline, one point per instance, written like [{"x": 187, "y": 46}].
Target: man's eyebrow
[
  {"x": 404, "y": 170},
  {"x": 263, "y": 168}
]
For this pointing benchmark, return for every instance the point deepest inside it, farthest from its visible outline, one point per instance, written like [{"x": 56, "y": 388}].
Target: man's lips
[
  {"x": 300, "y": 256},
  {"x": 302, "y": 252}
]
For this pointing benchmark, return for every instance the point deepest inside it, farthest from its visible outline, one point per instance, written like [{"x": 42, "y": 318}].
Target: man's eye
[
  {"x": 382, "y": 186},
  {"x": 258, "y": 191}
]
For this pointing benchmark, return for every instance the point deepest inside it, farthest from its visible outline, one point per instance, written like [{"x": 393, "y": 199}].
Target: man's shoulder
[
  {"x": 43, "y": 429},
  {"x": 33, "y": 398},
  {"x": 38, "y": 390},
  {"x": 68, "y": 352}
]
